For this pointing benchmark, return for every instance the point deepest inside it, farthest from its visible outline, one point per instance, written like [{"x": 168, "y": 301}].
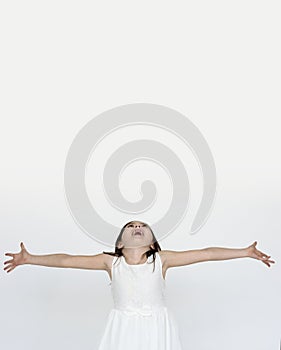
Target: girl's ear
[{"x": 120, "y": 245}]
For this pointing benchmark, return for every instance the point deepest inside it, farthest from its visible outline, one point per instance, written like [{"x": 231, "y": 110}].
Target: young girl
[{"x": 140, "y": 319}]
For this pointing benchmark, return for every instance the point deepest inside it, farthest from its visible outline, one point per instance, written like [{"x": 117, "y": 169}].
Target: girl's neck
[{"x": 135, "y": 256}]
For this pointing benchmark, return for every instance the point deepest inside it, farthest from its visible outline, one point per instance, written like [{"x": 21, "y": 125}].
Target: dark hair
[{"x": 118, "y": 251}]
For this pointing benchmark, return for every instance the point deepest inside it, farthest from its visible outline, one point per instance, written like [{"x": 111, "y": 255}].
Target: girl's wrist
[
  {"x": 246, "y": 252},
  {"x": 28, "y": 259}
]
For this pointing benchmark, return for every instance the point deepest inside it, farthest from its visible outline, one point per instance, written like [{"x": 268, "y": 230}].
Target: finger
[
  {"x": 9, "y": 265},
  {"x": 266, "y": 263},
  {"x": 11, "y": 269},
  {"x": 10, "y": 254},
  {"x": 267, "y": 258},
  {"x": 7, "y": 262},
  {"x": 260, "y": 252},
  {"x": 262, "y": 255}
]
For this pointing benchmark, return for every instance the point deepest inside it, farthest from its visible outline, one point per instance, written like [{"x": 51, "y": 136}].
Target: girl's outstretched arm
[
  {"x": 175, "y": 258},
  {"x": 95, "y": 262}
]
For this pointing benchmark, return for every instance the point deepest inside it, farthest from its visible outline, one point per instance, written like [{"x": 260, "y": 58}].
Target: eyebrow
[{"x": 143, "y": 223}]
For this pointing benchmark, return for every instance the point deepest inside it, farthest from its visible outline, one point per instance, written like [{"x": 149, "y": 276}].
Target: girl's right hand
[{"x": 18, "y": 258}]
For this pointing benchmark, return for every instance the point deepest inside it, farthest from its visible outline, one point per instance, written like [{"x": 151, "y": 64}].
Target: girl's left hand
[{"x": 252, "y": 252}]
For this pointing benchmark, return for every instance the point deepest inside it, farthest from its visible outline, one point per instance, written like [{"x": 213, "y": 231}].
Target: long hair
[{"x": 118, "y": 251}]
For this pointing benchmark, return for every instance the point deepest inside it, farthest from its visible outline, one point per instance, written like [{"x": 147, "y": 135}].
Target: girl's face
[{"x": 137, "y": 234}]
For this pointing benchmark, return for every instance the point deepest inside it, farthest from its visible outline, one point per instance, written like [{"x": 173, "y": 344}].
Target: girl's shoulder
[
  {"x": 108, "y": 259},
  {"x": 163, "y": 256}
]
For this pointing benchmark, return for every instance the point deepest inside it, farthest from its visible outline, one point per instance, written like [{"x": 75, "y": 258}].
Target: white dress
[{"x": 140, "y": 319}]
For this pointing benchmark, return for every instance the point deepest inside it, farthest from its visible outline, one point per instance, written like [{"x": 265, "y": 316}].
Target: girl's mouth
[{"x": 138, "y": 232}]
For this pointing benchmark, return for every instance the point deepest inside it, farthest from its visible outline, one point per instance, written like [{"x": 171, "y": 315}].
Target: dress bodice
[{"x": 137, "y": 288}]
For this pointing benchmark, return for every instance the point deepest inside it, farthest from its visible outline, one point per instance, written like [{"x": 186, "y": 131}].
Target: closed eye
[{"x": 132, "y": 225}]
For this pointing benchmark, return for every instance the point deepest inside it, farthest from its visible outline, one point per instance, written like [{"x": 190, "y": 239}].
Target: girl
[{"x": 137, "y": 269}]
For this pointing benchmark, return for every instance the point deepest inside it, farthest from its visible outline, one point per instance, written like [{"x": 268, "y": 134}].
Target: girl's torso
[
  {"x": 138, "y": 287},
  {"x": 110, "y": 258}
]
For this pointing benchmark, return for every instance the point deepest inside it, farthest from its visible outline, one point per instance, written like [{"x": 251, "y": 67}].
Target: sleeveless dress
[{"x": 140, "y": 319}]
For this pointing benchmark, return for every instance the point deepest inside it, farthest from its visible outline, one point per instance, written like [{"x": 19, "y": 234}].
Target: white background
[{"x": 218, "y": 63}]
